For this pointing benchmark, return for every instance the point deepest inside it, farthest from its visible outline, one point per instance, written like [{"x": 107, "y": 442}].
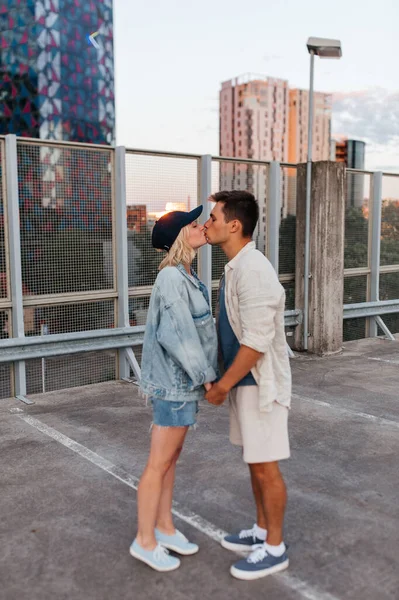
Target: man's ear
[{"x": 235, "y": 226}]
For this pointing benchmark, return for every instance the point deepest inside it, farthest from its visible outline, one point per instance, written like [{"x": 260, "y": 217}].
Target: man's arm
[
  {"x": 245, "y": 359},
  {"x": 258, "y": 301}
]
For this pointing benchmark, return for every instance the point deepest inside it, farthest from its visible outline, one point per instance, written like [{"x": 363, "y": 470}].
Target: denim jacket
[{"x": 180, "y": 341}]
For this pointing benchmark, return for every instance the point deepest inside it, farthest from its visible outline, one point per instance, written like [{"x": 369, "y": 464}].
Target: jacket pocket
[{"x": 207, "y": 334}]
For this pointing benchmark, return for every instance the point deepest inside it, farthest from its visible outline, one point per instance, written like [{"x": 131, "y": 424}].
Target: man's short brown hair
[{"x": 239, "y": 205}]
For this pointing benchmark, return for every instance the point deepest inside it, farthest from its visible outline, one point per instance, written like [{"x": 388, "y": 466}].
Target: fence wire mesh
[
  {"x": 65, "y": 201},
  {"x": 389, "y": 290},
  {"x": 3, "y": 260},
  {"x": 358, "y": 194},
  {"x": 287, "y": 233},
  {"x": 138, "y": 308},
  {"x": 66, "y": 318},
  {"x": 66, "y": 204},
  {"x": 228, "y": 175},
  {"x": 390, "y": 221},
  {"x": 355, "y": 290},
  {"x": 74, "y": 370},
  {"x": 154, "y": 185},
  {"x": 5, "y": 368}
]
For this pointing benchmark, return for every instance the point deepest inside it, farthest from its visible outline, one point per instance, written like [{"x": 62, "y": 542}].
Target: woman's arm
[{"x": 178, "y": 335}]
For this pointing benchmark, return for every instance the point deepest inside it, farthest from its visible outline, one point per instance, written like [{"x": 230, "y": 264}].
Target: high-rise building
[
  {"x": 253, "y": 124},
  {"x": 298, "y": 136},
  {"x": 57, "y": 82},
  {"x": 254, "y": 118},
  {"x": 299, "y": 122},
  {"x": 262, "y": 119},
  {"x": 352, "y": 153}
]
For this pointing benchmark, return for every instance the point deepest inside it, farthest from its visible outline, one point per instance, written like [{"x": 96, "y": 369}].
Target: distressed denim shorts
[{"x": 174, "y": 414}]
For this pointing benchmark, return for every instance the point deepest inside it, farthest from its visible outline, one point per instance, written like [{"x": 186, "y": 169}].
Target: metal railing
[{"x": 76, "y": 282}]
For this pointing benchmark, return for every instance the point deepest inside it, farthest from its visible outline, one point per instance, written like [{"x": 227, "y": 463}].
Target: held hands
[
  {"x": 216, "y": 394},
  {"x": 207, "y": 386}
]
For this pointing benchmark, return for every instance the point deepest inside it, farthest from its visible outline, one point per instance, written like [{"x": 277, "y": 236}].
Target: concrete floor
[{"x": 70, "y": 463}]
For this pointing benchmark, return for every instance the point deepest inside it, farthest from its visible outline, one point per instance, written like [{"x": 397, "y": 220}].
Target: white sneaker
[
  {"x": 158, "y": 559},
  {"x": 176, "y": 542}
]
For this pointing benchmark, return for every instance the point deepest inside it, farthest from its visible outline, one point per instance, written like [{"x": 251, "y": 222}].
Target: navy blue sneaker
[
  {"x": 259, "y": 564},
  {"x": 243, "y": 541}
]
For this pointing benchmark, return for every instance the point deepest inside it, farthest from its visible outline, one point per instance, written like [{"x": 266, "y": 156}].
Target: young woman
[{"x": 179, "y": 363}]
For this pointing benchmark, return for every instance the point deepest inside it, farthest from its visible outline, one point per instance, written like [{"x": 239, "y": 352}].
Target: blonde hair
[{"x": 180, "y": 251}]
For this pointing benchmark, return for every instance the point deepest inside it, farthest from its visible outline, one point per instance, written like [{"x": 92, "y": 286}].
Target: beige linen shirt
[{"x": 255, "y": 302}]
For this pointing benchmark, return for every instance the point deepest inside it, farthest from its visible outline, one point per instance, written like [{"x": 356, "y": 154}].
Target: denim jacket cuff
[{"x": 210, "y": 375}]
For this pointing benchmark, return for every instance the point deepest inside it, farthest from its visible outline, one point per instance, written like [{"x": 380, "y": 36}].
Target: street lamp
[{"x": 325, "y": 48}]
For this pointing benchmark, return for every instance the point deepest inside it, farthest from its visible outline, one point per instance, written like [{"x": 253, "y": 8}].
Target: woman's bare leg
[
  {"x": 165, "y": 443},
  {"x": 165, "y": 519}
]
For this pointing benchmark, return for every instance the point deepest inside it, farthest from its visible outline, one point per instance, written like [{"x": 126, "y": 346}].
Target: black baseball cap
[{"x": 168, "y": 227}]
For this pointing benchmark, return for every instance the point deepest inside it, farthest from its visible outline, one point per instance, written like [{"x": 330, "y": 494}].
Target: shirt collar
[{"x": 233, "y": 262}]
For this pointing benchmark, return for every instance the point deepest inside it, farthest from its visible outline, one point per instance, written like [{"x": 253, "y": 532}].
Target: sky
[{"x": 172, "y": 55}]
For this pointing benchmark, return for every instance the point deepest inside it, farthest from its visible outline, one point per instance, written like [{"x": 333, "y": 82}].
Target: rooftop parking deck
[{"x": 71, "y": 463}]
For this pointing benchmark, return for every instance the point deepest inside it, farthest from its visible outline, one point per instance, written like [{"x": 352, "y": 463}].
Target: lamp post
[{"x": 325, "y": 48}]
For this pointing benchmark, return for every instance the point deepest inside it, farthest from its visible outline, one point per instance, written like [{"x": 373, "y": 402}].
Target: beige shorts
[{"x": 263, "y": 436}]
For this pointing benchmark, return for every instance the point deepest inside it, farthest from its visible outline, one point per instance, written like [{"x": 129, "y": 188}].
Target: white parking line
[
  {"x": 385, "y": 360},
  {"x": 306, "y": 591},
  {"x": 348, "y": 411}
]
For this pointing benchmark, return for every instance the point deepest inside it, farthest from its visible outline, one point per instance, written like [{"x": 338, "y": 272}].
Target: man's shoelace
[
  {"x": 248, "y": 533},
  {"x": 258, "y": 554}
]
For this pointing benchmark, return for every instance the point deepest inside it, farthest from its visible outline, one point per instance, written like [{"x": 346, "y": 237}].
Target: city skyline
[{"x": 176, "y": 108}]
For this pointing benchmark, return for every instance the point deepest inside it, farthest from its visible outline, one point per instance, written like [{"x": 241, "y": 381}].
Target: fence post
[
  {"x": 205, "y": 253},
  {"x": 14, "y": 240},
  {"x": 274, "y": 213},
  {"x": 374, "y": 258},
  {"x": 122, "y": 283},
  {"x": 326, "y": 252}
]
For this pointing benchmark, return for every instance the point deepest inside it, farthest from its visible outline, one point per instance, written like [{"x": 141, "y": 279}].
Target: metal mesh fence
[
  {"x": 219, "y": 182},
  {"x": 389, "y": 290},
  {"x": 390, "y": 221},
  {"x": 154, "y": 185},
  {"x": 3, "y": 263},
  {"x": 289, "y": 287},
  {"x": 138, "y": 308},
  {"x": 287, "y": 234},
  {"x": 66, "y": 318},
  {"x": 73, "y": 370},
  {"x": 65, "y": 197},
  {"x": 358, "y": 194},
  {"x": 5, "y": 368},
  {"x": 355, "y": 290},
  {"x": 252, "y": 177}
]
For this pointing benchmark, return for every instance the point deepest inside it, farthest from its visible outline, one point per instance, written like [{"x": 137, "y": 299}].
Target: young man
[{"x": 257, "y": 377}]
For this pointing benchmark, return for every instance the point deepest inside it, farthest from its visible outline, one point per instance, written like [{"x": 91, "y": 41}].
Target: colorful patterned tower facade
[{"x": 55, "y": 83}]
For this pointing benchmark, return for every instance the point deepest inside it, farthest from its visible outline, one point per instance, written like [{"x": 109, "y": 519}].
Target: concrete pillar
[{"x": 326, "y": 285}]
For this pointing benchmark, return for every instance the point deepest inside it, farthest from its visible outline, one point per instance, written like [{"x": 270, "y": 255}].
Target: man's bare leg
[
  {"x": 267, "y": 478},
  {"x": 257, "y": 492}
]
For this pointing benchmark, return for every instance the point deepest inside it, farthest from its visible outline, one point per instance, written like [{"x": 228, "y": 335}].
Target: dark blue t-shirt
[{"x": 229, "y": 344}]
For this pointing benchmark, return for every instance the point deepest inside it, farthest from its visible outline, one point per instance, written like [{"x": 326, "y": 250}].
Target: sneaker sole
[
  {"x": 250, "y": 575},
  {"x": 179, "y": 550},
  {"x": 237, "y": 547},
  {"x": 150, "y": 564}
]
